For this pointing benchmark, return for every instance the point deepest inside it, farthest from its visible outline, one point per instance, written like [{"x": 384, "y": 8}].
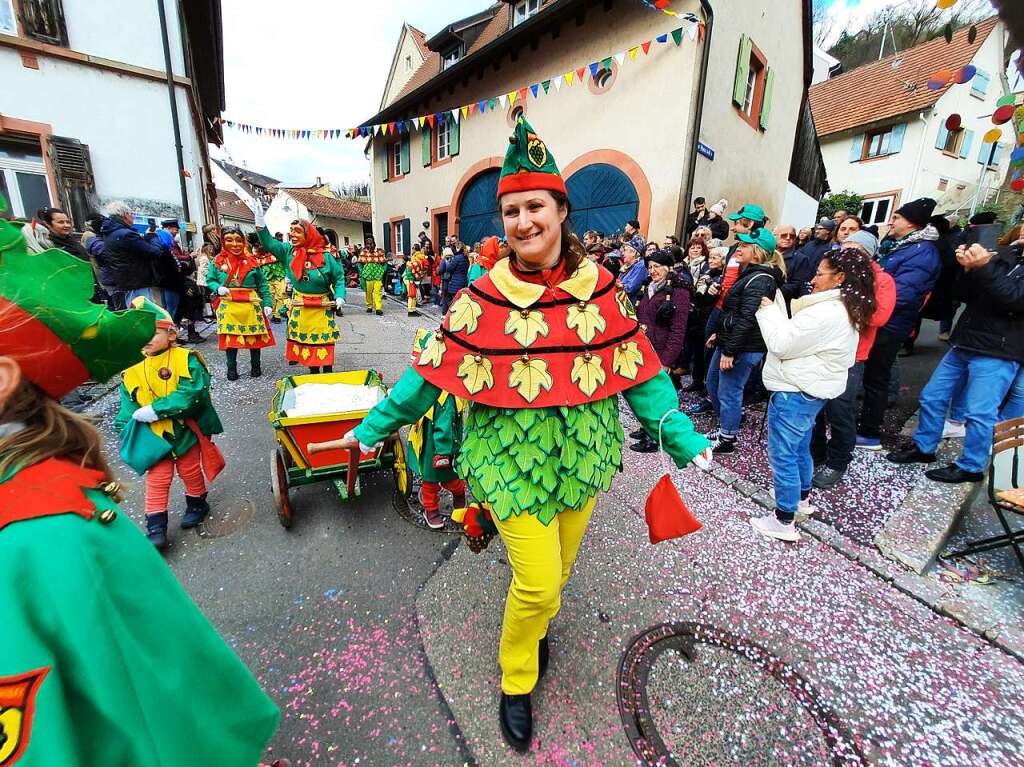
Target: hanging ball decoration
[
  {"x": 953, "y": 122},
  {"x": 1018, "y": 185},
  {"x": 972, "y": 34},
  {"x": 939, "y": 79},
  {"x": 944, "y": 4},
  {"x": 992, "y": 136},
  {"x": 1008, "y": 100},
  {"x": 1017, "y": 155},
  {"x": 965, "y": 74},
  {"x": 1003, "y": 114}
]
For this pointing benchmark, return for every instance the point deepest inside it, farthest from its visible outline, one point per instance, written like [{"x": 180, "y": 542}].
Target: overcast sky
[{"x": 323, "y": 64}]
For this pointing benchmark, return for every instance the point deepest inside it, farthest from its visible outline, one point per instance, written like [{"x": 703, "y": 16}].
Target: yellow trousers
[
  {"x": 541, "y": 558},
  {"x": 374, "y": 295},
  {"x": 279, "y": 292}
]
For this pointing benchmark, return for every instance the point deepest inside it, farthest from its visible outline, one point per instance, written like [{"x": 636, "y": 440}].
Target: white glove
[
  {"x": 257, "y": 212},
  {"x": 145, "y": 415},
  {"x": 268, "y": 310},
  {"x": 339, "y": 303},
  {"x": 704, "y": 459},
  {"x": 222, "y": 291}
]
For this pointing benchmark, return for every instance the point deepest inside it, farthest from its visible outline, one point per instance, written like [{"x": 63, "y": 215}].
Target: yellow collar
[{"x": 524, "y": 294}]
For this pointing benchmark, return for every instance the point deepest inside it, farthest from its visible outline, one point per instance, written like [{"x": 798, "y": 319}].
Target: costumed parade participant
[
  {"x": 166, "y": 421},
  {"x": 275, "y": 276},
  {"x": 105, "y": 660},
  {"x": 373, "y": 262},
  {"x": 434, "y": 444},
  {"x": 318, "y": 290},
  {"x": 415, "y": 270},
  {"x": 540, "y": 346},
  {"x": 244, "y": 302},
  {"x": 484, "y": 261}
]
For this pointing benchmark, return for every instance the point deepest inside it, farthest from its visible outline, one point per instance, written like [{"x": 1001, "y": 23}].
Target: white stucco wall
[
  {"x": 127, "y": 31},
  {"x": 402, "y": 73},
  {"x": 799, "y": 208}
]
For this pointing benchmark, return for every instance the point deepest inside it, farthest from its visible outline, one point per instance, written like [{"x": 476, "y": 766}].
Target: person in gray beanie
[{"x": 864, "y": 241}]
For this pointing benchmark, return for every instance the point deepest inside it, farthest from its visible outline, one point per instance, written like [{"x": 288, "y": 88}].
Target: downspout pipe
[
  {"x": 709, "y": 15},
  {"x": 174, "y": 118}
]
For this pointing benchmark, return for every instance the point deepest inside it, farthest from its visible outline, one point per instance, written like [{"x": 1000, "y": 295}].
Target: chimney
[{"x": 318, "y": 183}]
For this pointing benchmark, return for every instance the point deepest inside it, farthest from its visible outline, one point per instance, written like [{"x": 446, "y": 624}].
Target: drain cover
[{"x": 226, "y": 517}]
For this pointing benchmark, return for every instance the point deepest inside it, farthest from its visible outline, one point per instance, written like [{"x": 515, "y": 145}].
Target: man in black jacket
[
  {"x": 799, "y": 269},
  {"x": 987, "y": 352},
  {"x": 133, "y": 261}
]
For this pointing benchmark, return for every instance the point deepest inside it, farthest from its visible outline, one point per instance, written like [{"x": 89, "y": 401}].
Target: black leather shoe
[
  {"x": 824, "y": 478},
  {"x": 542, "y": 658},
  {"x": 516, "y": 716},
  {"x": 645, "y": 446},
  {"x": 911, "y": 455},
  {"x": 638, "y": 434},
  {"x": 954, "y": 475}
]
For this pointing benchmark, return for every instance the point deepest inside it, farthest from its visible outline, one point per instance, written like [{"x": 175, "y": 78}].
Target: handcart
[{"x": 292, "y": 463}]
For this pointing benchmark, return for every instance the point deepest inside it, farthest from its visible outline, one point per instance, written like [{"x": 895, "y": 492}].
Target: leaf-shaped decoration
[
  {"x": 464, "y": 315},
  {"x": 476, "y": 373},
  {"x": 525, "y": 326},
  {"x": 586, "y": 321},
  {"x": 972, "y": 34},
  {"x": 529, "y": 377},
  {"x": 587, "y": 373},
  {"x": 433, "y": 352},
  {"x": 627, "y": 361},
  {"x": 625, "y": 305}
]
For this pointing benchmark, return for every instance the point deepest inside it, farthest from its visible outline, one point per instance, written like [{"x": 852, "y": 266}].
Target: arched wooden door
[
  {"x": 478, "y": 208},
  {"x": 603, "y": 198}
]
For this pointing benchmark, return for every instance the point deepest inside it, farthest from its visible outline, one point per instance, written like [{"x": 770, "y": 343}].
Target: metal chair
[{"x": 1007, "y": 436}]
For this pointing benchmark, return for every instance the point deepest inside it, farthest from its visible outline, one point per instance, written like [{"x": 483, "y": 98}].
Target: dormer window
[
  {"x": 408, "y": 63},
  {"x": 450, "y": 57},
  {"x": 523, "y": 10}
]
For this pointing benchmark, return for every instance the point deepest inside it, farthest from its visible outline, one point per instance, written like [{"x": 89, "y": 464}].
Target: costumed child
[
  {"x": 244, "y": 303},
  {"x": 318, "y": 290},
  {"x": 415, "y": 271},
  {"x": 274, "y": 274},
  {"x": 106, "y": 660},
  {"x": 541, "y": 346},
  {"x": 434, "y": 444},
  {"x": 372, "y": 264},
  {"x": 166, "y": 421}
]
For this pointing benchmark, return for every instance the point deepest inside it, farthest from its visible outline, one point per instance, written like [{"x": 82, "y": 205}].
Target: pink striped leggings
[{"x": 159, "y": 478}]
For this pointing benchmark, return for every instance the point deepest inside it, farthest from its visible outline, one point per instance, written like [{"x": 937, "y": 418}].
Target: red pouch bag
[
  {"x": 667, "y": 514},
  {"x": 240, "y": 295}
]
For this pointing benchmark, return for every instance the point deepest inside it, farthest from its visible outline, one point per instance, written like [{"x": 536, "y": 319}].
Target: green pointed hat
[
  {"x": 163, "y": 318},
  {"x": 47, "y": 323},
  {"x": 528, "y": 163}
]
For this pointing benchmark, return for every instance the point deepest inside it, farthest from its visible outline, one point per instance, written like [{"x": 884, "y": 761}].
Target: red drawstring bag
[{"x": 666, "y": 512}]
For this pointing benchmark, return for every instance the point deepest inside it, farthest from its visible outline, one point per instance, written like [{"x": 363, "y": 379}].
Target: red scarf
[
  {"x": 311, "y": 256},
  {"x": 489, "y": 253},
  {"x": 237, "y": 268}
]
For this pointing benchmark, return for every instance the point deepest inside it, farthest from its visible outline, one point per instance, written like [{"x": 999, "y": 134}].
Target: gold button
[
  {"x": 623, "y": 347},
  {"x": 107, "y": 516},
  {"x": 524, "y": 313},
  {"x": 643, "y": 328},
  {"x": 478, "y": 359},
  {"x": 526, "y": 358},
  {"x": 587, "y": 356},
  {"x": 438, "y": 335},
  {"x": 582, "y": 305}
]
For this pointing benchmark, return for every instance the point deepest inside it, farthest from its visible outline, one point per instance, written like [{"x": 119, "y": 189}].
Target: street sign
[{"x": 705, "y": 151}]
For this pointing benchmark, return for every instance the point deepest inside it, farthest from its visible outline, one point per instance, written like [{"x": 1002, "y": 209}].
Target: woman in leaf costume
[
  {"x": 540, "y": 346},
  {"x": 318, "y": 281}
]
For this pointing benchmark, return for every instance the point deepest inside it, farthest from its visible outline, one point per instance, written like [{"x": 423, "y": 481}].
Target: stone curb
[{"x": 926, "y": 591}]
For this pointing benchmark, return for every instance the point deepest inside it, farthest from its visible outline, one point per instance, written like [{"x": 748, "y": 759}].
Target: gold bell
[
  {"x": 478, "y": 359},
  {"x": 113, "y": 489},
  {"x": 526, "y": 358},
  {"x": 582, "y": 305},
  {"x": 524, "y": 314},
  {"x": 107, "y": 516}
]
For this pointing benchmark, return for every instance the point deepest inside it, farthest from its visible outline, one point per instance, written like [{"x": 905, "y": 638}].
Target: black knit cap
[
  {"x": 918, "y": 211},
  {"x": 983, "y": 219},
  {"x": 662, "y": 257}
]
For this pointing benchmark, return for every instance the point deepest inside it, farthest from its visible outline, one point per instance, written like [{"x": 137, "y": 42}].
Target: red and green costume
[
  {"x": 241, "y": 323},
  {"x": 105, "y": 658},
  {"x": 372, "y": 266}
]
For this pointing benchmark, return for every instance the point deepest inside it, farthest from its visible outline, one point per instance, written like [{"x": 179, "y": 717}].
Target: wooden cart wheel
[
  {"x": 401, "y": 471},
  {"x": 279, "y": 483}
]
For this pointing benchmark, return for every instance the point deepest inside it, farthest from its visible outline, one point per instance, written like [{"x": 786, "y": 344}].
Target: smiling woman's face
[{"x": 533, "y": 227}]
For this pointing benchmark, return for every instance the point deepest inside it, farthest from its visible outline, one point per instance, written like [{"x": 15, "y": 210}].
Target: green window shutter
[
  {"x": 739, "y": 86},
  {"x": 406, "y": 235},
  {"x": 387, "y": 237},
  {"x": 857, "y": 147},
  {"x": 405, "y": 154},
  {"x": 425, "y": 141},
  {"x": 769, "y": 91},
  {"x": 384, "y": 156},
  {"x": 453, "y": 139}
]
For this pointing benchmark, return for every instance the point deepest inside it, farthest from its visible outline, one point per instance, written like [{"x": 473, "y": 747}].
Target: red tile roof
[
  {"x": 230, "y": 204},
  {"x": 420, "y": 39},
  {"x": 876, "y": 92},
  {"x": 351, "y": 210}
]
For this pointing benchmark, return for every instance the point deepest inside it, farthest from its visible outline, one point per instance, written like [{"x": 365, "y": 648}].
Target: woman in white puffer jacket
[{"x": 809, "y": 357}]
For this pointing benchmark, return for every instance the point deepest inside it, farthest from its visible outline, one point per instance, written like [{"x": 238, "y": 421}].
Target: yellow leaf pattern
[
  {"x": 476, "y": 373},
  {"x": 529, "y": 377},
  {"x": 525, "y": 326},
  {"x": 433, "y": 352},
  {"x": 464, "y": 315},
  {"x": 627, "y": 359},
  {"x": 586, "y": 321},
  {"x": 625, "y": 305},
  {"x": 587, "y": 374}
]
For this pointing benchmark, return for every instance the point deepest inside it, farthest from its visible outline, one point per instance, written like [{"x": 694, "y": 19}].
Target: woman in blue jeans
[
  {"x": 809, "y": 357},
  {"x": 740, "y": 347}
]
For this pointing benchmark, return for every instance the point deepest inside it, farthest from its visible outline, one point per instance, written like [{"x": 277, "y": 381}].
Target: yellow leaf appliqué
[
  {"x": 433, "y": 352},
  {"x": 525, "y": 326},
  {"x": 586, "y": 321},
  {"x": 587, "y": 374},
  {"x": 529, "y": 377},
  {"x": 627, "y": 359},
  {"x": 464, "y": 315},
  {"x": 476, "y": 373},
  {"x": 625, "y": 305}
]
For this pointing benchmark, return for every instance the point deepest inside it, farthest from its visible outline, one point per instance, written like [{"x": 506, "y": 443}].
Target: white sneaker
[
  {"x": 953, "y": 430},
  {"x": 770, "y": 527},
  {"x": 805, "y": 510}
]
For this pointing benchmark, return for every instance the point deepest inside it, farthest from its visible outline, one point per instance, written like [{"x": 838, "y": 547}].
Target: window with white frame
[
  {"x": 748, "y": 96},
  {"x": 444, "y": 139},
  {"x": 396, "y": 159},
  {"x": 7, "y": 23},
  {"x": 23, "y": 179},
  {"x": 450, "y": 57},
  {"x": 877, "y": 210},
  {"x": 399, "y": 237},
  {"x": 523, "y": 10}
]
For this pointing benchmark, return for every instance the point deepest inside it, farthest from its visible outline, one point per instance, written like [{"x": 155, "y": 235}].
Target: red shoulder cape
[
  {"x": 510, "y": 344},
  {"x": 53, "y": 486}
]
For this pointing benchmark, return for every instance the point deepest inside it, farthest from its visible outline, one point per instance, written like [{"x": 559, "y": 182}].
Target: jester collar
[{"x": 512, "y": 344}]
